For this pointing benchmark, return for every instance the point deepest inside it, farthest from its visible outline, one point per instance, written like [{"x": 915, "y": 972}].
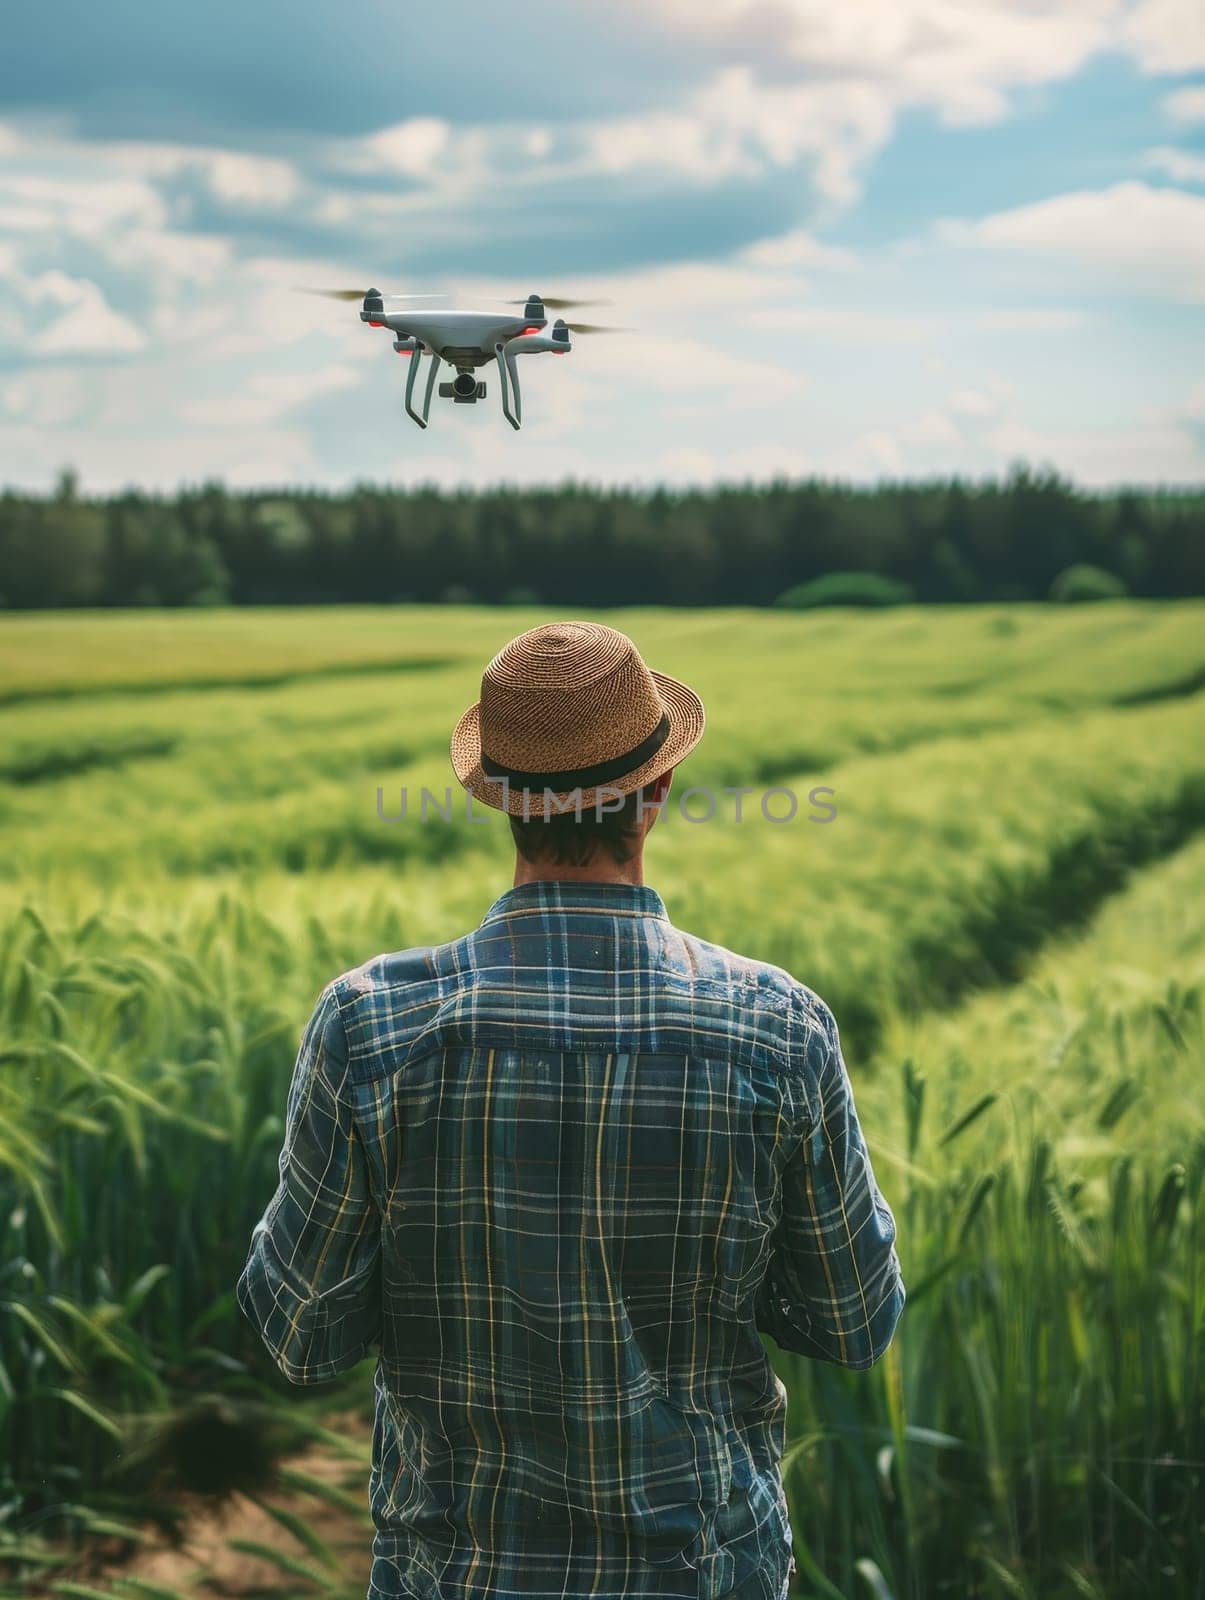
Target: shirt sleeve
[
  {"x": 833, "y": 1289},
  {"x": 312, "y": 1282}
]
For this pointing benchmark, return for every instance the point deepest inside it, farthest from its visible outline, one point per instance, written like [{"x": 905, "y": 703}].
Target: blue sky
[{"x": 887, "y": 238}]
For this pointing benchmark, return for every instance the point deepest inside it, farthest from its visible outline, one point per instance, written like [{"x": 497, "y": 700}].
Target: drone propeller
[
  {"x": 553, "y": 304},
  {"x": 596, "y": 327},
  {"x": 358, "y": 294}
]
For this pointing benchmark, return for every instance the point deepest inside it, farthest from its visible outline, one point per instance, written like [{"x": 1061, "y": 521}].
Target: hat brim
[{"x": 686, "y": 721}]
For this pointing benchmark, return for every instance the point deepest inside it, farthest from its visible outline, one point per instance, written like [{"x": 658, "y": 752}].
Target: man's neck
[{"x": 630, "y": 871}]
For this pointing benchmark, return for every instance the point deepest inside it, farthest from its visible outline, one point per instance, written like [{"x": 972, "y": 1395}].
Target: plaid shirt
[{"x": 558, "y": 1175}]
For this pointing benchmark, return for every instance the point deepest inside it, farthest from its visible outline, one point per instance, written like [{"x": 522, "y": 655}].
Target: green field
[{"x": 1007, "y": 916}]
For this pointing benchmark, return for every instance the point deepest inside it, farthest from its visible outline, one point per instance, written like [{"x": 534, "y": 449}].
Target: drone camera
[{"x": 464, "y": 389}]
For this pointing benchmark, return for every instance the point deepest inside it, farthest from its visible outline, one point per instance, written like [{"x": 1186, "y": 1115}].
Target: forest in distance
[{"x": 941, "y": 541}]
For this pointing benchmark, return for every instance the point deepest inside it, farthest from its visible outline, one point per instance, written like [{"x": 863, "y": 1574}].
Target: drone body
[{"x": 467, "y": 340}]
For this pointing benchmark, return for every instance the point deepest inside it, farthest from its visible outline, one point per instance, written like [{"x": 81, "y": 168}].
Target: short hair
[{"x": 573, "y": 837}]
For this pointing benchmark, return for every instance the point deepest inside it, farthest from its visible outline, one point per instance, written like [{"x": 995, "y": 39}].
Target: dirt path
[{"x": 207, "y": 1564}]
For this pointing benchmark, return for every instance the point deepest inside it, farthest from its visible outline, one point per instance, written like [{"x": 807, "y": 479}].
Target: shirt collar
[{"x": 561, "y": 895}]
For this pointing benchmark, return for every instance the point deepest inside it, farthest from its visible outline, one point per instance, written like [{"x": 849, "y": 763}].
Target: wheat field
[{"x": 1006, "y": 913}]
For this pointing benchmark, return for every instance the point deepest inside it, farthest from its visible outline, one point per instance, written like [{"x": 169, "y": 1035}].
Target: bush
[
  {"x": 847, "y": 589},
  {"x": 1084, "y": 582}
]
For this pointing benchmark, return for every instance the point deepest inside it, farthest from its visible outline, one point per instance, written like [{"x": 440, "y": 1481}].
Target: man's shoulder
[
  {"x": 744, "y": 975},
  {"x": 392, "y": 994},
  {"x": 391, "y": 969},
  {"x": 397, "y": 999}
]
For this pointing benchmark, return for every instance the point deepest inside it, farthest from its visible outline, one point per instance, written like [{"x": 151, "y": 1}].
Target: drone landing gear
[
  {"x": 415, "y": 362},
  {"x": 506, "y": 364}
]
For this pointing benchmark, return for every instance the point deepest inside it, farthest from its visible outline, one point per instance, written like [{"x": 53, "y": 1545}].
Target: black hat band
[{"x": 580, "y": 777}]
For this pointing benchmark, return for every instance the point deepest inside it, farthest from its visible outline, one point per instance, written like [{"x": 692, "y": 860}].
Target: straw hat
[{"x": 570, "y": 707}]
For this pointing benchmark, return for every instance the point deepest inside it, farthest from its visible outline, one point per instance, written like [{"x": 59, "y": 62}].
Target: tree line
[{"x": 948, "y": 540}]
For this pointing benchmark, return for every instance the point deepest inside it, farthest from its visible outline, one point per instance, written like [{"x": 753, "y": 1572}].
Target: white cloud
[
  {"x": 1140, "y": 453},
  {"x": 251, "y": 180},
  {"x": 835, "y": 124},
  {"x": 1151, "y": 240},
  {"x": 733, "y": 363},
  {"x": 234, "y": 177},
  {"x": 1167, "y": 35},
  {"x": 734, "y": 125},
  {"x": 48, "y": 397},
  {"x": 707, "y": 373},
  {"x": 243, "y": 308},
  {"x": 85, "y": 207},
  {"x": 870, "y": 455},
  {"x": 266, "y": 396},
  {"x": 683, "y": 142},
  {"x": 988, "y": 426},
  {"x": 798, "y": 248},
  {"x": 738, "y": 126},
  {"x": 1158, "y": 444},
  {"x": 687, "y": 466},
  {"x": 930, "y": 428},
  {"x": 89, "y": 326},
  {"x": 974, "y": 403},
  {"x": 1185, "y": 105},
  {"x": 1182, "y": 166},
  {"x": 755, "y": 462},
  {"x": 1029, "y": 319},
  {"x": 764, "y": 461},
  {"x": 182, "y": 264},
  {"x": 959, "y": 56},
  {"x": 858, "y": 65},
  {"x": 845, "y": 326},
  {"x": 108, "y": 462},
  {"x": 919, "y": 444},
  {"x": 655, "y": 296},
  {"x": 414, "y": 148}
]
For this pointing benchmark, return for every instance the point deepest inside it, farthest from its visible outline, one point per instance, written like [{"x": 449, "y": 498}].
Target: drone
[{"x": 467, "y": 340}]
